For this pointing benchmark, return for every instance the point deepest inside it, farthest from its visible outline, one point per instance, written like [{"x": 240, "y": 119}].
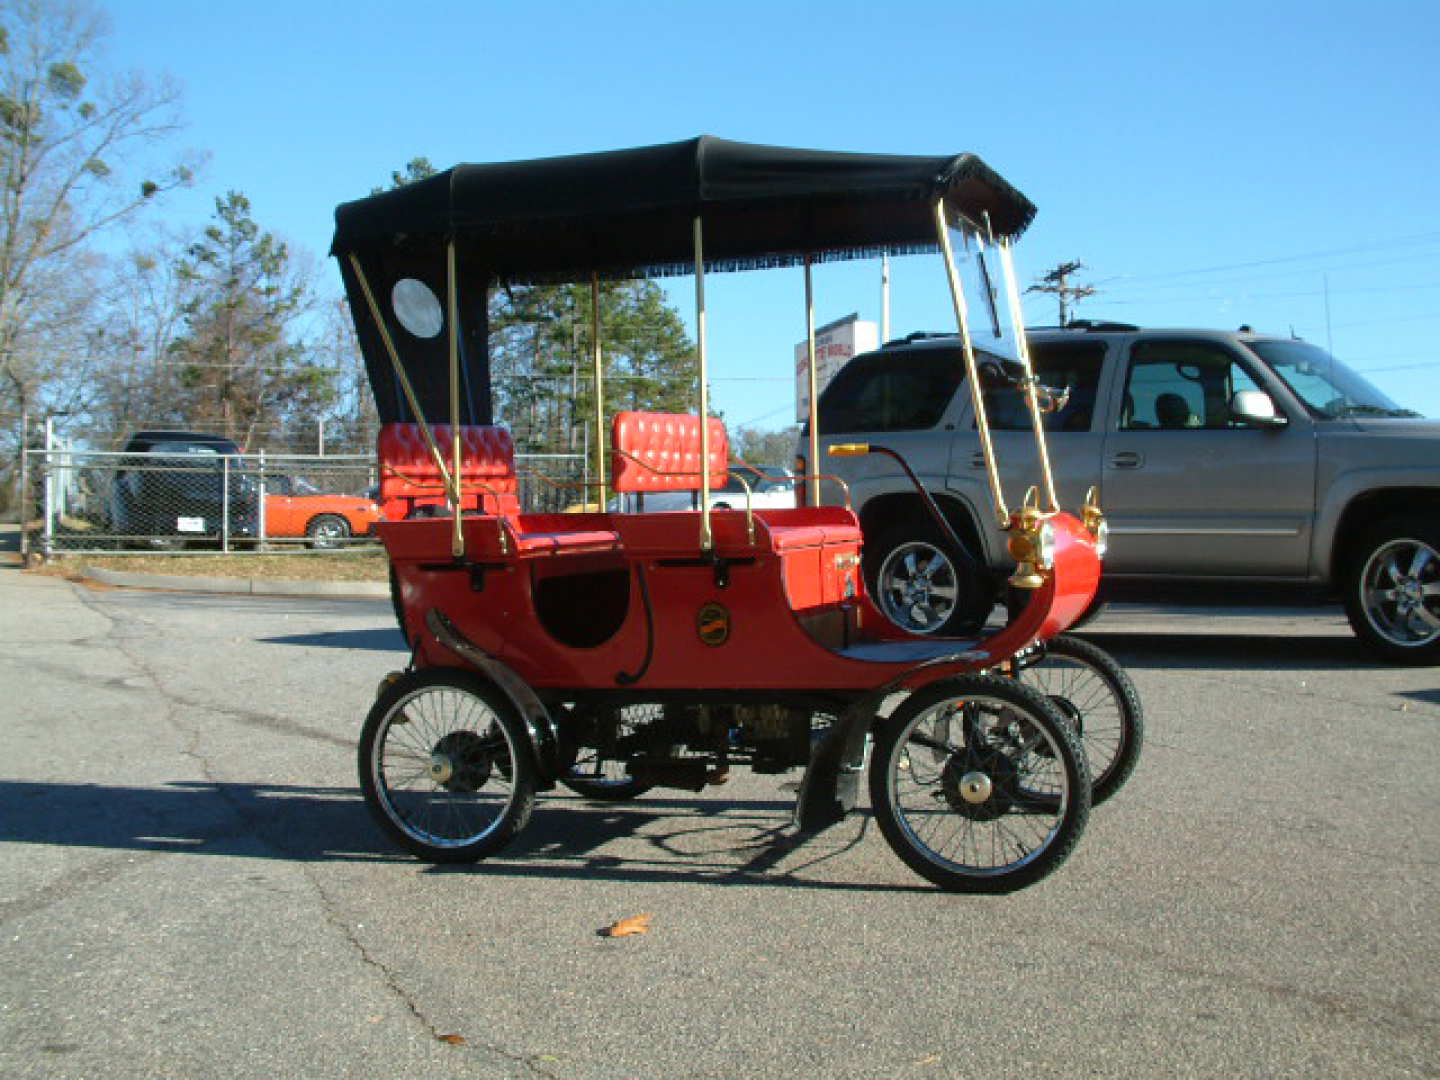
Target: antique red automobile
[{"x": 615, "y": 652}]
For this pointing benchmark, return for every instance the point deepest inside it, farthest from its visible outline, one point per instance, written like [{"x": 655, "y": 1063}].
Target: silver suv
[{"x": 1219, "y": 457}]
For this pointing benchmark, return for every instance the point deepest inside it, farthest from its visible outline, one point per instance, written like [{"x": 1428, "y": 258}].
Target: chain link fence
[{"x": 90, "y": 502}]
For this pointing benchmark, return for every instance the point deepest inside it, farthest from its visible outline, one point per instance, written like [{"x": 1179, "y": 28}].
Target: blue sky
[{"x": 1211, "y": 164}]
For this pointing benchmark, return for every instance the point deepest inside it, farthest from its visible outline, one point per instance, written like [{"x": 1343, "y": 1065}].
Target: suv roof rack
[
  {"x": 1097, "y": 325},
  {"x": 918, "y": 335}
]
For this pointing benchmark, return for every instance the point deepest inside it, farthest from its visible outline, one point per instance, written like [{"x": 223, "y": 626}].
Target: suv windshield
[{"x": 1326, "y": 386}]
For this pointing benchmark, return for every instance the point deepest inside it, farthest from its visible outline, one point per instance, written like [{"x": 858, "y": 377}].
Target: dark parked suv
[
  {"x": 1220, "y": 457},
  {"x": 173, "y": 487}
]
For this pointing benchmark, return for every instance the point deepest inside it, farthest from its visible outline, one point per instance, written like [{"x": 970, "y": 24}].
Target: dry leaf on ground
[{"x": 636, "y": 924}]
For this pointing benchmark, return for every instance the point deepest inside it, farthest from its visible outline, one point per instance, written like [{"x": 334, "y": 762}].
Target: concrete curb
[{"x": 245, "y": 586}]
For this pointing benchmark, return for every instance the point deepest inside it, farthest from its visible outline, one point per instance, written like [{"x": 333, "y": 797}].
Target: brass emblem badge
[{"x": 712, "y": 623}]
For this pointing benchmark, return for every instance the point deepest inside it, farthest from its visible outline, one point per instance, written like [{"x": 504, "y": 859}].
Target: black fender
[
  {"x": 539, "y": 724},
  {"x": 831, "y": 784}
]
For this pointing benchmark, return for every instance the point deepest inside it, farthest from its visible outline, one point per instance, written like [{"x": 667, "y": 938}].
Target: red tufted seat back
[
  {"x": 661, "y": 452},
  {"x": 409, "y": 478}
]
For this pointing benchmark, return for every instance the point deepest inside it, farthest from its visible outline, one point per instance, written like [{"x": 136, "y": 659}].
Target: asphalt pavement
[{"x": 190, "y": 884}]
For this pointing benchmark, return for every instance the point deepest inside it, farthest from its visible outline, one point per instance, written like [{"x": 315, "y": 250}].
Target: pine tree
[{"x": 238, "y": 355}]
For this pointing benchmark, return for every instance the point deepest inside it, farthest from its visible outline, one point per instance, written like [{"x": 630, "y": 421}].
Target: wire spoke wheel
[
  {"x": 979, "y": 785},
  {"x": 1092, "y": 693},
  {"x": 446, "y": 766},
  {"x": 606, "y": 741}
]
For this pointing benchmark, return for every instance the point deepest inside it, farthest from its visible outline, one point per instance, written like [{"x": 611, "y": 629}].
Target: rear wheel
[
  {"x": 979, "y": 785},
  {"x": 446, "y": 766},
  {"x": 602, "y": 742},
  {"x": 921, "y": 585},
  {"x": 327, "y": 531},
  {"x": 1392, "y": 589},
  {"x": 1095, "y": 696}
]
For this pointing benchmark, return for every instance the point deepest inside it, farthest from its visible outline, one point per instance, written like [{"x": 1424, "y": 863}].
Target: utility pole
[{"x": 1057, "y": 281}]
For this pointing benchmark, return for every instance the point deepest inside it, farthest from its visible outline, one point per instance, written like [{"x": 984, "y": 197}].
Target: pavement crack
[{"x": 396, "y": 988}]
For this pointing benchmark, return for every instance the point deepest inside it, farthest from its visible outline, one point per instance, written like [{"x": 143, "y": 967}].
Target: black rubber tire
[
  {"x": 606, "y": 790},
  {"x": 327, "y": 531},
  {"x": 1399, "y": 557},
  {"x": 1096, "y": 697},
  {"x": 1040, "y": 740},
  {"x": 487, "y": 741},
  {"x": 975, "y": 593}
]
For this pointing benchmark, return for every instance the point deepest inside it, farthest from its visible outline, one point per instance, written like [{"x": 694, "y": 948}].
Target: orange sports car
[{"x": 296, "y": 507}]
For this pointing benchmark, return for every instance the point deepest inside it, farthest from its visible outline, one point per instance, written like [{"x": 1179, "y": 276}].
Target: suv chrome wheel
[
  {"x": 1392, "y": 588},
  {"x": 917, "y": 587},
  {"x": 1400, "y": 590}
]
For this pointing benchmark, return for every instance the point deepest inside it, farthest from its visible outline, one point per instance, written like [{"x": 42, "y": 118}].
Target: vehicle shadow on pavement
[
  {"x": 249, "y": 820},
  {"x": 666, "y": 839},
  {"x": 1235, "y": 652},
  {"x": 715, "y": 841},
  {"x": 380, "y": 639}
]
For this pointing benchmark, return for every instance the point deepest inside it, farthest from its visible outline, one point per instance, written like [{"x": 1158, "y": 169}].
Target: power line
[
  {"x": 1057, "y": 282},
  {"x": 1431, "y": 237}
]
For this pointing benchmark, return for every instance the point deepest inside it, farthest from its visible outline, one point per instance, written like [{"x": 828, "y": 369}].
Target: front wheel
[
  {"x": 1392, "y": 590},
  {"x": 446, "y": 766},
  {"x": 979, "y": 785},
  {"x": 1097, "y": 699},
  {"x": 924, "y": 587}
]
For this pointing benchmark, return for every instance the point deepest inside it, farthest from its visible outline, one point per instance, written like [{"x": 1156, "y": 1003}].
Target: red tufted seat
[
  {"x": 410, "y": 480},
  {"x": 661, "y": 452}
]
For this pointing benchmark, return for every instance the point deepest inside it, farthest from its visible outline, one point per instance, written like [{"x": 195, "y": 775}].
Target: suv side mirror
[{"x": 1255, "y": 409}]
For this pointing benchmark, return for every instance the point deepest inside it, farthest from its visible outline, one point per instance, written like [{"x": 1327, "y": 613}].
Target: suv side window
[
  {"x": 899, "y": 391},
  {"x": 1068, "y": 369},
  {"x": 1177, "y": 385}
]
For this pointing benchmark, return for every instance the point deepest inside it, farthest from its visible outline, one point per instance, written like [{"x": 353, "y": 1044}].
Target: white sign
[
  {"x": 835, "y": 344},
  {"x": 190, "y": 525}
]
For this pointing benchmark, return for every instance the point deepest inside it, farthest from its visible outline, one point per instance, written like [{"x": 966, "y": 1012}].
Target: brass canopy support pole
[
  {"x": 452, "y": 304},
  {"x": 597, "y": 358},
  {"x": 451, "y": 488},
  {"x": 972, "y": 371},
  {"x": 707, "y": 539},
  {"x": 811, "y": 364},
  {"x": 1017, "y": 321}
]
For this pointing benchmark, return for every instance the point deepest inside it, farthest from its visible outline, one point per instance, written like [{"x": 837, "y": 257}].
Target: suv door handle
[
  {"x": 1127, "y": 459},
  {"x": 977, "y": 460}
]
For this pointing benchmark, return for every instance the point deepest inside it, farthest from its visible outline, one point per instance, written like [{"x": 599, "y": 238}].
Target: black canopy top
[{"x": 629, "y": 213}]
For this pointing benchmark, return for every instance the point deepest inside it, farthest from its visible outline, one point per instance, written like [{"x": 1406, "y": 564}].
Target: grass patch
[{"x": 362, "y": 564}]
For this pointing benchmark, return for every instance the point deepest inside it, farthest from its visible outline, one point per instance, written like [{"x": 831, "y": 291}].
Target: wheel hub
[
  {"x": 461, "y": 762},
  {"x": 975, "y": 787},
  {"x": 979, "y": 785},
  {"x": 1409, "y": 595}
]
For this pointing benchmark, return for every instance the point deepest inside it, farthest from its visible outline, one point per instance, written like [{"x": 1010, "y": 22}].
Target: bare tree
[{"x": 76, "y": 156}]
